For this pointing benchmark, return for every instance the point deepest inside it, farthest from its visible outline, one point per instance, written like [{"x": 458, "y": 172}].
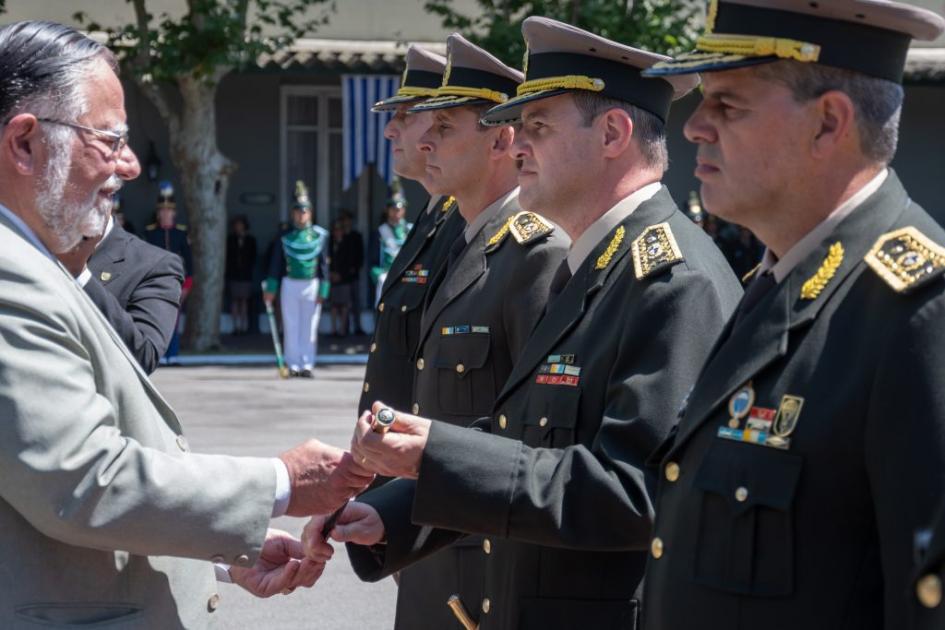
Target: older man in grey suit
[{"x": 106, "y": 517}]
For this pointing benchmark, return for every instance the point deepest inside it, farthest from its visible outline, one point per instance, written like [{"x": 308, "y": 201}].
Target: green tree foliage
[
  {"x": 665, "y": 26},
  {"x": 178, "y": 64}
]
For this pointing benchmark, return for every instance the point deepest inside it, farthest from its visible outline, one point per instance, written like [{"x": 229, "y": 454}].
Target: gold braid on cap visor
[
  {"x": 750, "y": 46},
  {"x": 483, "y": 93},
  {"x": 416, "y": 91},
  {"x": 569, "y": 82}
]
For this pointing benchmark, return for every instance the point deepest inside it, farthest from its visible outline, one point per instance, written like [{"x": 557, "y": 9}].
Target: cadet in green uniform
[
  {"x": 812, "y": 445},
  {"x": 483, "y": 303},
  {"x": 925, "y": 595},
  {"x": 389, "y": 373},
  {"x": 302, "y": 264},
  {"x": 560, "y": 486}
]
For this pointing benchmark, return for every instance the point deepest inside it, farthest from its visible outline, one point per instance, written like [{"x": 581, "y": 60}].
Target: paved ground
[{"x": 249, "y": 411}]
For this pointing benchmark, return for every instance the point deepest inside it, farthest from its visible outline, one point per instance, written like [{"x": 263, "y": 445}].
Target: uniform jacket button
[
  {"x": 415, "y": 409},
  {"x": 543, "y": 421},
  {"x": 487, "y": 546},
  {"x": 929, "y": 591},
  {"x": 460, "y": 368},
  {"x": 420, "y": 363},
  {"x": 656, "y": 548},
  {"x": 373, "y": 347},
  {"x": 380, "y": 307},
  {"x": 672, "y": 472},
  {"x": 182, "y": 443},
  {"x": 486, "y": 605},
  {"x": 367, "y": 387},
  {"x": 214, "y": 602},
  {"x": 503, "y": 421},
  {"x": 403, "y": 309},
  {"x": 741, "y": 494}
]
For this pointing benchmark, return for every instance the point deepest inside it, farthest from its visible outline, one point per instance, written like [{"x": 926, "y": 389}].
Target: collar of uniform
[
  {"x": 804, "y": 247},
  {"x": 29, "y": 234},
  {"x": 432, "y": 203},
  {"x": 488, "y": 214},
  {"x": 602, "y": 227}
]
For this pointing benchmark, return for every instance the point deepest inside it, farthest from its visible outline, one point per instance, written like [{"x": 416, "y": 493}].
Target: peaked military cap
[
  {"x": 166, "y": 196},
  {"x": 302, "y": 200},
  {"x": 871, "y": 37},
  {"x": 422, "y": 76},
  {"x": 472, "y": 77},
  {"x": 562, "y": 58}
]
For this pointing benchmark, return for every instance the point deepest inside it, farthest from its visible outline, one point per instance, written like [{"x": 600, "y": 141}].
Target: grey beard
[{"x": 68, "y": 223}]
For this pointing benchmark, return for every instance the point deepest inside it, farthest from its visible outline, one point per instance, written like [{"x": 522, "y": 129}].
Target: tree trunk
[{"x": 205, "y": 176}]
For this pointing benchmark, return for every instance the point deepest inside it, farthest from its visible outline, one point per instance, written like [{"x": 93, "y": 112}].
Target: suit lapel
[
  {"x": 424, "y": 230},
  {"x": 468, "y": 268},
  {"x": 570, "y": 306},
  {"x": 763, "y": 335}
]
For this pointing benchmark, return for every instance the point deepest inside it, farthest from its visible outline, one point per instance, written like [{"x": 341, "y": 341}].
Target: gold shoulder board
[
  {"x": 906, "y": 259},
  {"x": 527, "y": 227},
  {"x": 654, "y": 250}
]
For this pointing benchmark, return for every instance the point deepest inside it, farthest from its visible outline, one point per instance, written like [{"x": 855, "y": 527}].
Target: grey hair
[
  {"x": 43, "y": 67},
  {"x": 878, "y": 102},
  {"x": 648, "y": 130}
]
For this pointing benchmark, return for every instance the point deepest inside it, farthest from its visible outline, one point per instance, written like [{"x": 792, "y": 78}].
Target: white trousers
[{"x": 300, "y": 314}]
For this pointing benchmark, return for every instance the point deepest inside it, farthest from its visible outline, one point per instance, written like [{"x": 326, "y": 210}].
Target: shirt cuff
[
  {"x": 223, "y": 572},
  {"x": 84, "y": 277},
  {"x": 283, "y": 488}
]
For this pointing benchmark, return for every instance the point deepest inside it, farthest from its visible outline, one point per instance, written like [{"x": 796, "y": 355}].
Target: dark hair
[
  {"x": 45, "y": 60},
  {"x": 648, "y": 130},
  {"x": 240, "y": 218},
  {"x": 878, "y": 102}
]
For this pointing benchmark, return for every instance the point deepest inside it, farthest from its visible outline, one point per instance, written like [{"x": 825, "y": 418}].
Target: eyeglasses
[{"x": 118, "y": 141}]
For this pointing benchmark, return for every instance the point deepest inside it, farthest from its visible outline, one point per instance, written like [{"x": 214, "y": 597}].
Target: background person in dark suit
[
  {"x": 137, "y": 286},
  {"x": 240, "y": 264}
]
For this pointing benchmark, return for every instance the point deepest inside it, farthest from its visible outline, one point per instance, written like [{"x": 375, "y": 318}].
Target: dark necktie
[{"x": 759, "y": 287}]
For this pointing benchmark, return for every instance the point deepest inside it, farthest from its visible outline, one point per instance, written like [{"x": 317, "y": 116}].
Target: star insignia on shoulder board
[
  {"x": 528, "y": 226},
  {"x": 906, "y": 259},
  {"x": 655, "y": 249}
]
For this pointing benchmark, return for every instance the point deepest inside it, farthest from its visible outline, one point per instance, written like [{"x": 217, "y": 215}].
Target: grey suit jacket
[{"x": 105, "y": 516}]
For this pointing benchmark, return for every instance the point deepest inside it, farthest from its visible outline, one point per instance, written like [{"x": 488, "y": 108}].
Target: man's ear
[
  {"x": 502, "y": 144},
  {"x": 19, "y": 141},
  {"x": 616, "y": 131},
  {"x": 835, "y": 124}
]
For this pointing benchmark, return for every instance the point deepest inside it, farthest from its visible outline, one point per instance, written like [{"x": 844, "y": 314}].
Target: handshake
[{"x": 323, "y": 478}]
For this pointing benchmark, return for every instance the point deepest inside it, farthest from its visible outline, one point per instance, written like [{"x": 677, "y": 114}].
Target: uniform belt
[{"x": 456, "y": 605}]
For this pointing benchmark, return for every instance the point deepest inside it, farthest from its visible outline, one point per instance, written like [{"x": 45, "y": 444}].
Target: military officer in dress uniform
[
  {"x": 171, "y": 236},
  {"x": 483, "y": 303},
  {"x": 812, "y": 445},
  {"x": 301, "y": 261},
  {"x": 559, "y": 486},
  {"x": 390, "y": 366},
  {"x": 925, "y": 594}
]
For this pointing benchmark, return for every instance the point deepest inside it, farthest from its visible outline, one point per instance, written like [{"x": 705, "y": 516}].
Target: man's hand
[
  {"x": 359, "y": 524},
  {"x": 323, "y": 478},
  {"x": 396, "y": 453},
  {"x": 76, "y": 258},
  {"x": 282, "y": 566}
]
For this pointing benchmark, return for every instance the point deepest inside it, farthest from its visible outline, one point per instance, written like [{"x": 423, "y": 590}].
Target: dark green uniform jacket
[
  {"x": 927, "y": 590},
  {"x": 559, "y": 486},
  {"x": 474, "y": 327},
  {"x": 793, "y": 504},
  {"x": 389, "y": 374}
]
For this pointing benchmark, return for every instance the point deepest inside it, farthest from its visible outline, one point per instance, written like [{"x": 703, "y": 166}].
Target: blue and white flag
[{"x": 363, "y": 137}]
